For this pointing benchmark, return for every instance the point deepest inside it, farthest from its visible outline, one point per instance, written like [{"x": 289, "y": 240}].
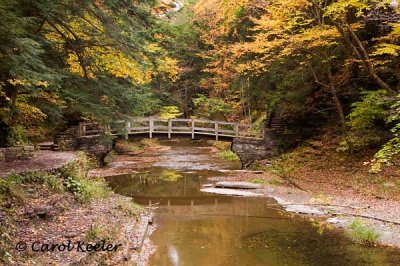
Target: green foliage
[
  {"x": 10, "y": 187},
  {"x": 220, "y": 145},
  {"x": 211, "y": 106},
  {"x": 228, "y": 155},
  {"x": 372, "y": 108},
  {"x": 77, "y": 182},
  {"x": 390, "y": 150},
  {"x": 65, "y": 60},
  {"x": 85, "y": 190},
  {"x": 106, "y": 138},
  {"x": 110, "y": 157},
  {"x": 362, "y": 234},
  {"x": 94, "y": 233},
  {"x": 365, "y": 119},
  {"x": 257, "y": 181},
  {"x": 17, "y": 136}
]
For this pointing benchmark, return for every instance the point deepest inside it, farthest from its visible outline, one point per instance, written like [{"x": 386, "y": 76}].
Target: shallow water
[{"x": 196, "y": 228}]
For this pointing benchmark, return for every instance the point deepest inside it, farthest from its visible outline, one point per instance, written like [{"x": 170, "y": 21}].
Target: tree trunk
[
  {"x": 355, "y": 43},
  {"x": 13, "y": 106},
  {"x": 338, "y": 104}
]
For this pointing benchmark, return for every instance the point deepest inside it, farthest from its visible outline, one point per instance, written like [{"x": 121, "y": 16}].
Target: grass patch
[
  {"x": 228, "y": 155},
  {"x": 274, "y": 182},
  {"x": 130, "y": 208},
  {"x": 362, "y": 234},
  {"x": 10, "y": 187},
  {"x": 257, "y": 181},
  {"x": 149, "y": 143},
  {"x": 135, "y": 146},
  {"x": 224, "y": 148},
  {"x": 94, "y": 233},
  {"x": 220, "y": 145},
  {"x": 286, "y": 165},
  {"x": 99, "y": 231}
]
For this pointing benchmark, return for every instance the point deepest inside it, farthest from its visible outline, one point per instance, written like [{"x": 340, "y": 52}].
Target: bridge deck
[{"x": 170, "y": 127}]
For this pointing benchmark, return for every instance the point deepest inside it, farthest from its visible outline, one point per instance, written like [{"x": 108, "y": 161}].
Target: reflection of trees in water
[
  {"x": 157, "y": 182},
  {"x": 170, "y": 175}
]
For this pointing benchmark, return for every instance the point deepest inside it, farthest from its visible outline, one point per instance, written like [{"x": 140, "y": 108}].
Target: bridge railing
[{"x": 172, "y": 126}]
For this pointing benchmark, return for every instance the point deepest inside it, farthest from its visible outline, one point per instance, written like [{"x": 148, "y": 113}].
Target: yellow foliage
[
  {"x": 107, "y": 58},
  {"x": 29, "y": 114},
  {"x": 16, "y": 82},
  {"x": 169, "y": 67}
]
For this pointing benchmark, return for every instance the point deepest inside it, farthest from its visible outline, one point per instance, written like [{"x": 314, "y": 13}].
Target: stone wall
[
  {"x": 67, "y": 140},
  {"x": 250, "y": 150},
  {"x": 16, "y": 153},
  {"x": 94, "y": 145}
]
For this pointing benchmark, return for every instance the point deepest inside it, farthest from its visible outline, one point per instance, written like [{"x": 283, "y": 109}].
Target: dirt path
[{"x": 42, "y": 161}]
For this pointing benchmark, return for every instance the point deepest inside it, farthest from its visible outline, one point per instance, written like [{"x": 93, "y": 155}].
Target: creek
[{"x": 196, "y": 228}]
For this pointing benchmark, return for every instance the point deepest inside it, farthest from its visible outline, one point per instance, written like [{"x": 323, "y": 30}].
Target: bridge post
[
  {"x": 192, "y": 128},
  {"x": 169, "y": 127},
  {"x": 83, "y": 130},
  {"x": 216, "y": 130},
  {"x": 236, "y": 130},
  {"x": 127, "y": 127},
  {"x": 151, "y": 128}
]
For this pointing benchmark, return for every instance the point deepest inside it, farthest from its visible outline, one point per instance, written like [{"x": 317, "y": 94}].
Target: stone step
[{"x": 48, "y": 146}]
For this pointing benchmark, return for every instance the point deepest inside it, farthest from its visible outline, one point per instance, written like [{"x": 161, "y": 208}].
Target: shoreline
[{"x": 337, "y": 210}]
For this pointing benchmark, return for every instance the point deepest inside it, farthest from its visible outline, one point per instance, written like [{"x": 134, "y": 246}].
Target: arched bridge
[{"x": 169, "y": 127}]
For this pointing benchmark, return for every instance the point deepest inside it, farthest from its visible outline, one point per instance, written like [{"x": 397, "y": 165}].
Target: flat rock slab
[
  {"x": 299, "y": 208},
  {"x": 238, "y": 184},
  {"x": 303, "y": 209},
  {"x": 230, "y": 192}
]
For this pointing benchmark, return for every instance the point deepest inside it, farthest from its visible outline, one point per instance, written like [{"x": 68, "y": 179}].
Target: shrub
[
  {"x": 110, "y": 157},
  {"x": 76, "y": 181},
  {"x": 73, "y": 186},
  {"x": 85, "y": 190},
  {"x": 362, "y": 234},
  {"x": 365, "y": 121}
]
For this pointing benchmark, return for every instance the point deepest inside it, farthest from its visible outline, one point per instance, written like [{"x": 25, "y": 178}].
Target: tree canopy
[{"x": 311, "y": 62}]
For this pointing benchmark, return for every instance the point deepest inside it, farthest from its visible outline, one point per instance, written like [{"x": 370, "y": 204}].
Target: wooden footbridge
[{"x": 169, "y": 127}]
